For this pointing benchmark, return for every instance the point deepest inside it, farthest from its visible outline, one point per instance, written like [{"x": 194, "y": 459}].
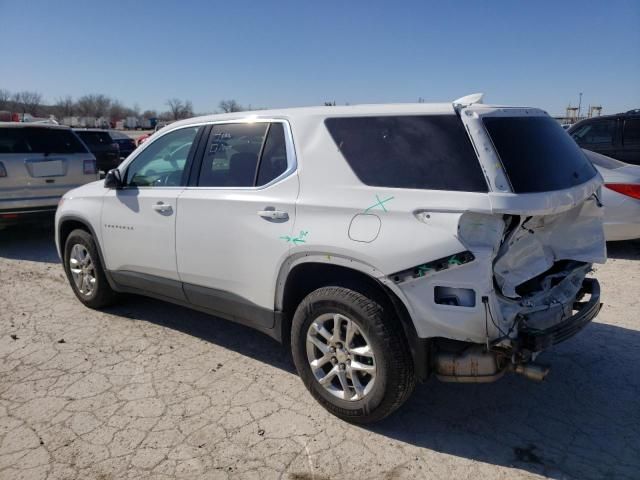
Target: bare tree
[
  {"x": 117, "y": 110},
  {"x": 5, "y": 100},
  {"x": 64, "y": 107},
  {"x": 179, "y": 109},
  {"x": 228, "y": 106},
  {"x": 94, "y": 105},
  {"x": 27, "y": 102},
  {"x": 149, "y": 114}
]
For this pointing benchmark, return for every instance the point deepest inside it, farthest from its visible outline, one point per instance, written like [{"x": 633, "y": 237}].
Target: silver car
[
  {"x": 620, "y": 196},
  {"x": 38, "y": 164}
]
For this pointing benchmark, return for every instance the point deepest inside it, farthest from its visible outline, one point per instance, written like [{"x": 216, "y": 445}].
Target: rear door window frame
[{"x": 292, "y": 163}]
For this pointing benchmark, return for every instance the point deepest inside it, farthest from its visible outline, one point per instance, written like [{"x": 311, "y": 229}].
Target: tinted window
[
  {"x": 13, "y": 140},
  {"x": 231, "y": 155},
  {"x": 162, "y": 162},
  {"x": 426, "y": 152},
  {"x": 95, "y": 138},
  {"x": 39, "y": 140},
  {"x": 631, "y": 132},
  {"x": 598, "y": 132},
  {"x": 537, "y": 153},
  {"x": 273, "y": 162}
]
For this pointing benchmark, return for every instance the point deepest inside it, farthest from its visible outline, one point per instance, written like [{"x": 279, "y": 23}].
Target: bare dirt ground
[{"x": 151, "y": 390}]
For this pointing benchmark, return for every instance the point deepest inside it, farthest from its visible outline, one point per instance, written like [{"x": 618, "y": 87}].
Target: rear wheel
[
  {"x": 351, "y": 354},
  {"x": 85, "y": 272}
]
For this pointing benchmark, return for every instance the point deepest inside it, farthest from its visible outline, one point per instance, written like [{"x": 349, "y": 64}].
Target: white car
[
  {"x": 620, "y": 197},
  {"x": 383, "y": 243}
]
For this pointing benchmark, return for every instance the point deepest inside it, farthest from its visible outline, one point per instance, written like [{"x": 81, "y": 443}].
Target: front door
[
  {"x": 235, "y": 223},
  {"x": 138, "y": 221}
]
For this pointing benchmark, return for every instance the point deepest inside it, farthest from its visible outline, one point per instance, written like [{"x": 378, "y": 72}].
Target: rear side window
[
  {"x": 95, "y": 138},
  {"x": 597, "y": 132},
  {"x": 423, "y": 152},
  {"x": 537, "y": 154},
  {"x": 13, "y": 140},
  {"x": 631, "y": 135},
  {"x": 39, "y": 140},
  {"x": 243, "y": 155}
]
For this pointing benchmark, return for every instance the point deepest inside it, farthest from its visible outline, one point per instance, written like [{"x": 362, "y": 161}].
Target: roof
[
  {"x": 329, "y": 111},
  {"x": 32, "y": 125}
]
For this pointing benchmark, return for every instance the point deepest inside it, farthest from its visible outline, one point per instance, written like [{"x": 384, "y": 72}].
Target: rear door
[
  {"x": 630, "y": 151},
  {"x": 235, "y": 220},
  {"x": 138, "y": 221},
  {"x": 41, "y": 164}
]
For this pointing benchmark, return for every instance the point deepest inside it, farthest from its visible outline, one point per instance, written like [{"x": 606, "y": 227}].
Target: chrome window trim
[{"x": 292, "y": 159}]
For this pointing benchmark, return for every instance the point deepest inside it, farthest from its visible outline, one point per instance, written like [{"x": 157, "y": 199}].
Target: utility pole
[{"x": 579, "y": 105}]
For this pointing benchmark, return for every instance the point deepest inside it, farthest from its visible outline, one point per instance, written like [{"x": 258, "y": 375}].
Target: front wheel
[
  {"x": 351, "y": 354},
  {"x": 85, "y": 272}
]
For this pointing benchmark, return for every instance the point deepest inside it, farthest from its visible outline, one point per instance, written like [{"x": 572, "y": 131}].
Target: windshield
[{"x": 537, "y": 153}]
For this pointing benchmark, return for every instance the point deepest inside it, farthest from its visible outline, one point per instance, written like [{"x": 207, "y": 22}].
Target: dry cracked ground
[{"x": 151, "y": 390}]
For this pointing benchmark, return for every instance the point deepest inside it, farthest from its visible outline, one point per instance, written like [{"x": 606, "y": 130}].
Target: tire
[
  {"x": 390, "y": 366},
  {"x": 97, "y": 293}
]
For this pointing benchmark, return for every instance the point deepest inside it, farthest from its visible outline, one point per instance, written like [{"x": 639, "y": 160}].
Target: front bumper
[{"x": 535, "y": 340}]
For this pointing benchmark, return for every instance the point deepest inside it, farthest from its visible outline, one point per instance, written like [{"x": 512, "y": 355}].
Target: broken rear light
[{"x": 628, "y": 189}]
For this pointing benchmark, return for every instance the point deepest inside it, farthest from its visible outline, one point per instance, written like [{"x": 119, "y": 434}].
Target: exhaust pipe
[{"x": 532, "y": 371}]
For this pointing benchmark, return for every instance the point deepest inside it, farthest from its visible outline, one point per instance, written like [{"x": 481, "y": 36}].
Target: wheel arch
[
  {"x": 300, "y": 276},
  {"x": 67, "y": 224}
]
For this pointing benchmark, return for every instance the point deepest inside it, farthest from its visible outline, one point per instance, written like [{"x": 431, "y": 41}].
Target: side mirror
[{"x": 113, "y": 179}]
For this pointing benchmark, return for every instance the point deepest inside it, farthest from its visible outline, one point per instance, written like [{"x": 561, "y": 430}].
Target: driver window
[{"x": 162, "y": 163}]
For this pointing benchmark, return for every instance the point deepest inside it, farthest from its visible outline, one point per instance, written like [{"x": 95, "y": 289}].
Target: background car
[
  {"x": 106, "y": 151},
  {"x": 616, "y": 136},
  {"x": 124, "y": 141},
  {"x": 620, "y": 197},
  {"x": 38, "y": 164}
]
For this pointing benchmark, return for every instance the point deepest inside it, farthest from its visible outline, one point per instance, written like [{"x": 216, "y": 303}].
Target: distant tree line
[{"x": 99, "y": 105}]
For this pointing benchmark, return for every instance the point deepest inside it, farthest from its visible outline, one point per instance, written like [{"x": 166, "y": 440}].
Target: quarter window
[
  {"x": 243, "y": 155},
  {"x": 423, "y": 152},
  {"x": 162, "y": 163}
]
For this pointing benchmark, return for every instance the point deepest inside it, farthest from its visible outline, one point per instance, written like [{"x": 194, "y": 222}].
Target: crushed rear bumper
[{"x": 535, "y": 340}]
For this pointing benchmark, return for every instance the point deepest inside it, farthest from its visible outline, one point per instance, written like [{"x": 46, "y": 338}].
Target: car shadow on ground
[
  {"x": 581, "y": 422},
  {"x": 29, "y": 242},
  {"x": 629, "y": 250}
]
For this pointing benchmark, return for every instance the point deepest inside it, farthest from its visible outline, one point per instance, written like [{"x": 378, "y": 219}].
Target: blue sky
[{"x": 294, "y": 53}]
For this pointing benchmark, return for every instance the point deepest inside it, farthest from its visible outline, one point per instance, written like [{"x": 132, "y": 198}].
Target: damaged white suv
[{"x": 384, "y": 243}]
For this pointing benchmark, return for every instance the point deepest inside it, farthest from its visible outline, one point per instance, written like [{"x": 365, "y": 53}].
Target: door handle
[
  {"x": 162, "y": 207},
  {"x": 273, "y": 214}
]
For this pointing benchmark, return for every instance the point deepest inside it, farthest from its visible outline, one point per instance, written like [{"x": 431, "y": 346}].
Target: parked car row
[{"x": 40, "y": 162}]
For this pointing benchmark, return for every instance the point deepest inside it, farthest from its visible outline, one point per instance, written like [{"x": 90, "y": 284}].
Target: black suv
[
  {"x": 100, "y": 143},
  {"x": 616, "y": 136}
]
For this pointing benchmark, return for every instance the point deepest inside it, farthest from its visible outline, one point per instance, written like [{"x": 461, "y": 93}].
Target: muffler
[
  {"x": 472, "y": 365},
  {"x": 477, "y": 365}
]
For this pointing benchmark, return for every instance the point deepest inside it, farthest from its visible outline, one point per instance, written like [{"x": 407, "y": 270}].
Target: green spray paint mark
[
  {"x": 422, "y": 269},
  {"x": 296, "y": 240},
  {"x": 379, "y": 203},
  {"x": 454, "y": 261}
]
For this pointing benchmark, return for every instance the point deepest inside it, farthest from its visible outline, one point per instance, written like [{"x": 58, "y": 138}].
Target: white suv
[{"x": 384, "y": 243}]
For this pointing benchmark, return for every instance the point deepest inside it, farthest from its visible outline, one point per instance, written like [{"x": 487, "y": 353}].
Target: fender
[{"x": 75, "y": 218}]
